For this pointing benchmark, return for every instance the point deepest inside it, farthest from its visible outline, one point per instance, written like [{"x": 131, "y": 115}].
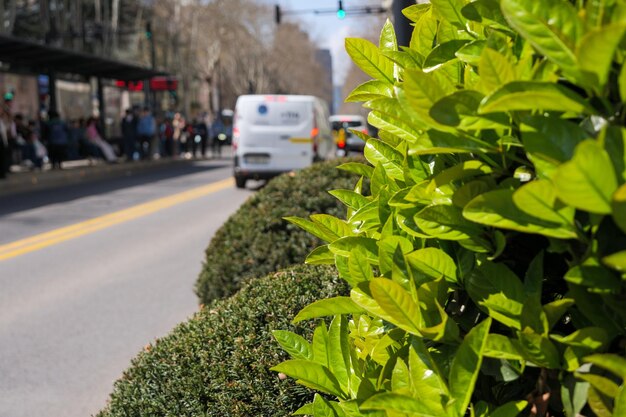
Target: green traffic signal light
[{"x": 341, "y": 13}]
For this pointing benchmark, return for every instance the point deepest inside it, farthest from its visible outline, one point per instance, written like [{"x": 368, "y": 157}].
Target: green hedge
[
  {"x": 256, "y": 240},
  {"x": 217, "y": 363}
]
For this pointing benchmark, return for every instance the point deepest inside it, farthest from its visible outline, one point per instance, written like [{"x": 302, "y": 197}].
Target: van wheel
[{"x": 240, "y": 182}]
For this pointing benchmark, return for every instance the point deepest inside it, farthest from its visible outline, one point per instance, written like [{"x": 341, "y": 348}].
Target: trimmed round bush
[
  {"x": 217, "y": 363},
  {"x": 256, "y": 241}
]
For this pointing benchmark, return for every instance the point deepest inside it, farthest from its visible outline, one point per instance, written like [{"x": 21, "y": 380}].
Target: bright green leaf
[
  {"x": 320, "y": 256},
  {"x": 532, "y": 96},
  {"x": 397, "y": 402},
  {"x": 596, "y": 50},
  {"x": 315, "y": 375},
  {"x": 588, "y": 181},
  {"x": 433, "y": 263},
  {"x": 369, "y": 58},
  {"x": 295, "y": 345},
  {"x": 496, "y": 208},
  {"x": 616, "y": 261},
  {"x": 328, "y": 307},
  {"x": 611, "y": 362},
  {"x": 495, "y": 70},
  {"x": 538, "y": 199},
  {"x": 397, "y": 303},
  {"x": 388, "y": 40},
  {"x": 618, "y": 207},
  {"x": 466, "y": 366},
  {"x": 442, "y": 53}
]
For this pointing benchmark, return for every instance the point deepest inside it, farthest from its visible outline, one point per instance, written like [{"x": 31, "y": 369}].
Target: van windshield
[{"x": 277, "y": 113}]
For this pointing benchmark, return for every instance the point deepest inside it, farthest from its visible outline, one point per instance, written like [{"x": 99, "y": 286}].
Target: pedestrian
[
  {"x": 4, "y": 144},
  {"x": 146, "y": 129},
  {"x": 56, "y": 136},
  {"x": 217, "y": 136},
  {"x": 199, "y": 137},
  {"x": 94, "y": 137},
  {"x": 34, "y": 151},
  {"x": 129, "y": 134}
]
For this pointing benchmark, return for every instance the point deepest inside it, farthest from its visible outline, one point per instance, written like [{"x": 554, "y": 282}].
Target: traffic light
[
  {"x": 277, "y": 14},
  {"x": 341, "y": 13},
  {"x": 148, "y": 30}
]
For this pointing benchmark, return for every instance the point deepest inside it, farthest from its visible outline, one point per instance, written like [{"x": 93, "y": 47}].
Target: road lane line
[{"x": 40, "y": 241}]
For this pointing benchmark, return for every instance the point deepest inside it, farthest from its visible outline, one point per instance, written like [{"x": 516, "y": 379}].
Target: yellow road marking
[{"x": 62, "y": 234}]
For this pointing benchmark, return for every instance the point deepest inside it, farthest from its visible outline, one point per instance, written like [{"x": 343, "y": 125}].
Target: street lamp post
[{"x": 401, "y": 24}]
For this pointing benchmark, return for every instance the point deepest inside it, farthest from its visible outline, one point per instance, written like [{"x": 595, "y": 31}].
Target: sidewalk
[{"x": 22, "y": 180}]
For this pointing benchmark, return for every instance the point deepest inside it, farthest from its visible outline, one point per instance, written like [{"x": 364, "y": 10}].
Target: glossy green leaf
[
  {"x": 446, "y": 222},
  {"x": 390, "y": 248},
  {"x": 616, "y": 261},
  {"x": 392, "y": 111},
  {"x": 497, "y": 288},
  {"x": 573, "y": 395},
  {"x": 486, "y": 12},
  {"x": 306, "y": 409},
  {"x": 620, "y": 403},
  {"x": 532, "y": 96},
  {"x": 350, "y": 198},
  {"x": 339, "y": 349},
  {"x": 369, "y": 58},
  {"x": 388, "y": 41},
  {"x": 368, "y": 303},
  {"x": 593, "y": 338},
  {"x": 502, "y": 347},
  {"x": 415, "y": 11},
  {"x": 397, "y": 304},
  {"x": 399, "y": 403},
  {"x": 371, "y": 90},
  {"x": 433, "y": 263},
  {"x": 468, "y": 191},
  {"x": 466, "y": 366},
  {"x": 337, "y": 226},
  {"x": 611, "y": 362},
  {"x": 553, "y": 27},
  {"x": 319, "y": 344},
  {"x": 593, "y": 275},
  {"x": 450, "y": 110},
  {"x": 533, "y": 316},
  {"x": 538, "y": 199},
  {"x": 618, "y": 207},
  {"x": 328, "y": 307},
  {"x": 314, "y": 228},
  {"x": 322, "y": 407},
  {"x": 406, "y": 59},
  {"x": 495, "y": 70},
  {"x": 471, "y": 52},
  {"x": 601, "y": 383},
  {"x": 539, "y": 350},
  {"x": 450, "y": 10},
  {"x": 423, "y": 90},
  {"x": 442, "y": 53},
  {"x": 394, "y": 127},
  {"x": 549, "y": 140},
  {"x": 313, "y": 374},
  {"x": 599, "y": 404},
  {"x": 357, "y": 168},
  {"x": 596, "y": 50},
  {"x": 424, "y": 33},
  {"x": 378, "y": 152},
  {"x": 295, "y": 345},
  {"x": 345, "y": 245},
  {"x": 320, "y": 256},
  {"x": 588, "y": 181},
  {"x": 437, "y": 142},
  {"x": 497, "y": 208},
  {"x": 426, "y": 382},
  {"x": 461, "y": 171}
]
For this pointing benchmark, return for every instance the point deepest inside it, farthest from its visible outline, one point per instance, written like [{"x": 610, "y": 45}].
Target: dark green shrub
[
  {"x": 256, "y": 241},
  {"x": 489, "y": 260},
  {"x": 217, "y": 363}
]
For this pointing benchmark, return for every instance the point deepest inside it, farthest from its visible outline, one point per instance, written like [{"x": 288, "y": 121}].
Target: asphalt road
[{"x": 78, "y": 302}]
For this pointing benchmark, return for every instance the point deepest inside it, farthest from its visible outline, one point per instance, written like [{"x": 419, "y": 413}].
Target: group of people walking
[
  {"x": 30, "y": 143},
  {"x": 172, "y": 136}
]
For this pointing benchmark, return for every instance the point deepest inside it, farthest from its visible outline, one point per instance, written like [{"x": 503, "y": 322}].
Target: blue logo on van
[{"x": 262, "y": 109}]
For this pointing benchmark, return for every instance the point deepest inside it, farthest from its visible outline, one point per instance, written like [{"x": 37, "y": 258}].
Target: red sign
[
  {"x": 164, "y": 84},
  {"x": 130, "y": 85}
]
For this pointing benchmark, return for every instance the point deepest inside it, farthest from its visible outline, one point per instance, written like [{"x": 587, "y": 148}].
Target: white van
[{"x": 273, "y": 134}]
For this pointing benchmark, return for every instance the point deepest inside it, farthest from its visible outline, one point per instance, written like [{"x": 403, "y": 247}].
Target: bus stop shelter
[{"x": 26, "y": 56}]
